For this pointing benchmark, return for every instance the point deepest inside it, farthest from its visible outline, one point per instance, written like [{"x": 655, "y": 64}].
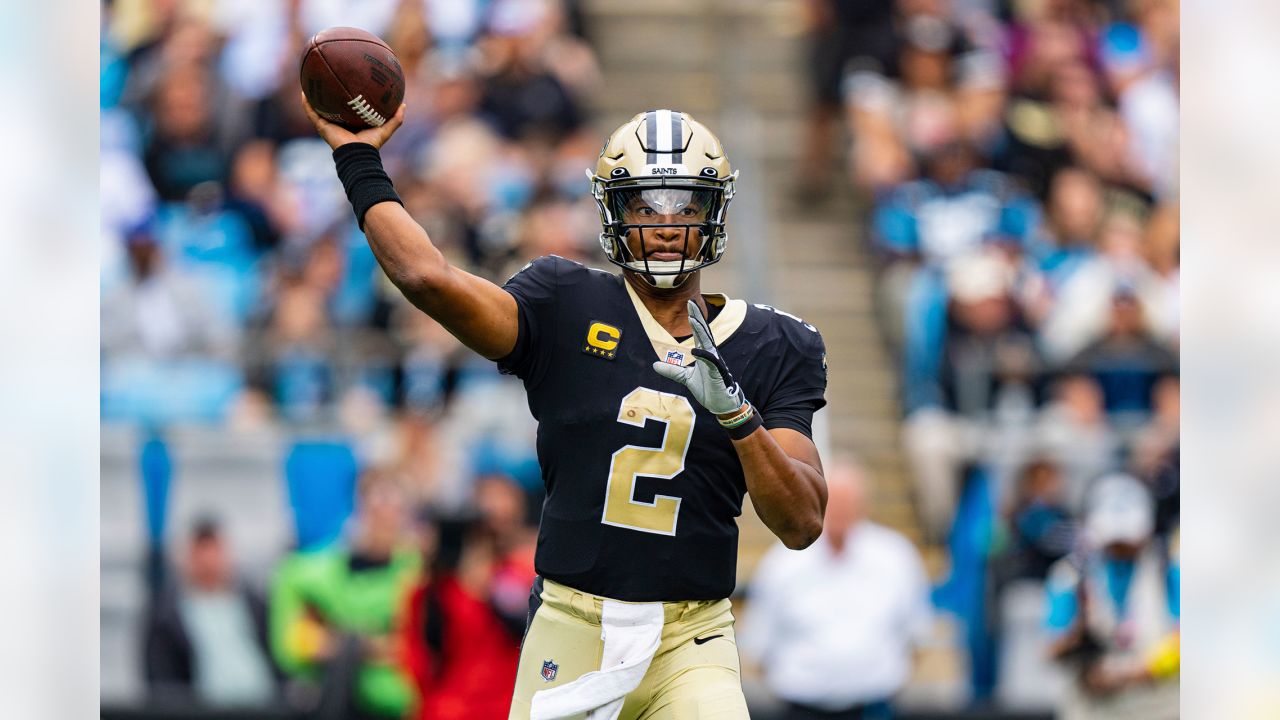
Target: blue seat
[
  {"x": 155, "y": 469},
  {"x": 320, "y": 476},
  {"x": 964, "y": 592}
]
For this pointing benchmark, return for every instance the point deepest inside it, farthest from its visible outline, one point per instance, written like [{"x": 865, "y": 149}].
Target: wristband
[
  {"x": 366, "y": 183},
  {"x": 743, "y": 424},
  {"x": 743, "y": 414}
]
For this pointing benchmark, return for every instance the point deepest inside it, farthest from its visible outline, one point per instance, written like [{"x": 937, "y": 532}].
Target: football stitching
[{"x": 366, "y": 111}]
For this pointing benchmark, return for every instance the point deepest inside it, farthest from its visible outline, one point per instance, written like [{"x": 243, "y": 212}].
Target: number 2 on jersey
[{"x": 621, "y": 509}]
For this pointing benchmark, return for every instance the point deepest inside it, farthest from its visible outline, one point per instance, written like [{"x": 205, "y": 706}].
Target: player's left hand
[{"x": 709, "y": 379}]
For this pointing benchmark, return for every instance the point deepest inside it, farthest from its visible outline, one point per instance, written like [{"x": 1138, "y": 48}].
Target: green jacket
[{"x": 321, "y": 588}]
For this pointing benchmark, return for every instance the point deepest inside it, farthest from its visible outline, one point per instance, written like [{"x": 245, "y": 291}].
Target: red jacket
[{"x": 473, "y": 674}]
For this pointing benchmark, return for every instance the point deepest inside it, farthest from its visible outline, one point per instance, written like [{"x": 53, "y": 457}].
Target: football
[{"x": 352, "y": 78}]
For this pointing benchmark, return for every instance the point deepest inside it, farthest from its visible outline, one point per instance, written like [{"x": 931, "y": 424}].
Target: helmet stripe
[
  {"x": 677, "y": 142},
  {"x": 664, "y": 131},
  {"x": 651, "y": 135}
]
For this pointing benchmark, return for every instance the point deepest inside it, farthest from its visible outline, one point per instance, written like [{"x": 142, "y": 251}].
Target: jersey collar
[{"x": 722, "y": 326}]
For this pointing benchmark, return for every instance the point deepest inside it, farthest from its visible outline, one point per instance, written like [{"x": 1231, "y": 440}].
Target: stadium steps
[{"x": 713, "y": 58}]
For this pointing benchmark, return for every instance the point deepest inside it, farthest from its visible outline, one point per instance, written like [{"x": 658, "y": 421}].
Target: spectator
[
  {"x": 1040, "y": 530},
  {"x": 953, "y": 210},
  {"x": 1073, "y": 216},
  {"x": 333, "y": 611},
  {"x": 1046, "y": 48},
  {"x": 1166, "y": 487},
  {"x": 187, "y": 146},
  {"x": 1041, "y": 527},
  {"x": 942, "y": 90},
  {"x": 984, "y": 364},
  {"x": 1074, "y": 432},
  {"x": 206, "y": 637},
  {"x": 1141, "y": 60},
  {"x": 461, "y": 638},
  {"x": 257, "y": 195},
  {"x": 1162, "y": 249},
  {"x": 833, "y": 626},
  {"x": 1083, "y": 296},
  {"x": 554, "y": 227},
  {"x": 162, "y": 314},
  {"x": 521, "y": 97},
  {"x": 421, "y": 451},
  {"x": 844, "y": 36},
  {"x": 1158, "y": 437},
  {"x": 1127, "y": 361},
  {"x": 923, "y": 226},
  {"x": 301, "y": 343},
  {"x": 1114, "y": 610}
]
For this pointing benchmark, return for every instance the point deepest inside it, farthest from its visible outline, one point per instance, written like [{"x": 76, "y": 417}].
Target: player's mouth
[{"x": 665, "y": 256}]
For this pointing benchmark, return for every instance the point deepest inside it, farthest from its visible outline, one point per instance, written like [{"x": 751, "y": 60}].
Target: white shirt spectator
[
  {"x": 1149, "y": 107},
  {"x": 833, "y": 630}
]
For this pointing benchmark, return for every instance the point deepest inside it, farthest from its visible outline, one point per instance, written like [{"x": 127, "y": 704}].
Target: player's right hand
[{"x": 337, "y": 136}]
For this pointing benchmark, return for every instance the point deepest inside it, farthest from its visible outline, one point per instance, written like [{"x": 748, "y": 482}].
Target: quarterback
[{"x": 658, "y": 408}]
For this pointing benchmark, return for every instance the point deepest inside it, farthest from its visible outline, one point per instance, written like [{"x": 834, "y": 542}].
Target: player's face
[{"x": 672, "y": 221}]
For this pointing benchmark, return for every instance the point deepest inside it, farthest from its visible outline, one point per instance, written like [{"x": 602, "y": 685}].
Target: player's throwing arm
[{"x": 475, "y": 310}]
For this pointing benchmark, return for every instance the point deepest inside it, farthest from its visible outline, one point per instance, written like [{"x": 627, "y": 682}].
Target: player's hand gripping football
[
  {"x": 336, "y": 135},
  {"x": 709, "y": 379}
]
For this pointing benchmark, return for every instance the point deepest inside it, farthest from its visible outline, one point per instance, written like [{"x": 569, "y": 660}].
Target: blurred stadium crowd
[
  {"x": 1019, "y": 162},
  {"x": 238, "y": 292},
  {"x": 1018, "y": 165}
]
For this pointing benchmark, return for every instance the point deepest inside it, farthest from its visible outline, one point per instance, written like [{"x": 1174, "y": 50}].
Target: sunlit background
[{"x": 975, "y": 201}]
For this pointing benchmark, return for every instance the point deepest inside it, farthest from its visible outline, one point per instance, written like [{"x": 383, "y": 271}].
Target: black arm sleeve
[
  {"x": 534, "y": 289},
  {"x": 801, "y": 385}
]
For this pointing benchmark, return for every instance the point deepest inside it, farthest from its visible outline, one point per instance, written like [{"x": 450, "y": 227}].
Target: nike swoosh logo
[{"x": 699, "y": 641}]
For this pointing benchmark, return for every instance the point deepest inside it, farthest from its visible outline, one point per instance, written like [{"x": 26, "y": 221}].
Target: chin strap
[
  {"x": 661, "y": 281},
  {"x": 666, "y": 282}
]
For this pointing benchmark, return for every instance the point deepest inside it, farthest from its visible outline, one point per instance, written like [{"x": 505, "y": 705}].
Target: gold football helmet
[{"x": 662, "y": 165}]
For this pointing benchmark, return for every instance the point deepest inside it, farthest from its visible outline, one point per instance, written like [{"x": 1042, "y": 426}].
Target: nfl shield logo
[
  {"x": 549, "y": 669},
  {"x": 675, "y": 357}
]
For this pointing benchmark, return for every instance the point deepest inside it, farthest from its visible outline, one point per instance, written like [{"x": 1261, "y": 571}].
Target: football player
[{"x": 658, "y": 407}]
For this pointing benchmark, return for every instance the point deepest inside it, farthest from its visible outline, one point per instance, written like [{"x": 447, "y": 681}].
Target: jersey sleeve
[
  {"x": 534, "y": 290},
  {"x": 801, "y": 385}
]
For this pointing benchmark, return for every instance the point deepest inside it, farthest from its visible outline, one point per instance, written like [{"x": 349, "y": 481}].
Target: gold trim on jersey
[{"x": 722, "y": 326}]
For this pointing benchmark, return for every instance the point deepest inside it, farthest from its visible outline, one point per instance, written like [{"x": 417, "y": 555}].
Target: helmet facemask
[{"x": 681, "y": 215}]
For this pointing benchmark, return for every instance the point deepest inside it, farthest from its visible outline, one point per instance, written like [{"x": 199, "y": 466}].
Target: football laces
[{"x": 366, "y": 111}]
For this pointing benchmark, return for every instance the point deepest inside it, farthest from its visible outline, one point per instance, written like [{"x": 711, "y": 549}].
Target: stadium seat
[{"x": 321, "y": 480}]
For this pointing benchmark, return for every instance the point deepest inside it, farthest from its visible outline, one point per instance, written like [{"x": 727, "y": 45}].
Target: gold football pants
[{"x": 694, "y": 674}]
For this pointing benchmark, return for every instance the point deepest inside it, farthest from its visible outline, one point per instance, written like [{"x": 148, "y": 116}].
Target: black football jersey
[{"x": 643, "y": 485}]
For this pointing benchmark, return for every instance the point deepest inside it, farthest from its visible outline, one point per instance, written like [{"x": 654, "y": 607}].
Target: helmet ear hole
[
  {"x": 708, "y": 172},
  {"x": 619, "y": 172}
]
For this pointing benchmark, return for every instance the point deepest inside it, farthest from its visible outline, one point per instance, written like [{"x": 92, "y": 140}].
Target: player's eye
[
  {"x": 691, "y": 212},
  {"x": 644, "y": 211}
]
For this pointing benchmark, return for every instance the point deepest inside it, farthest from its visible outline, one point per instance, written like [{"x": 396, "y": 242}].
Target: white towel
[{"x": 631, "y": 633}]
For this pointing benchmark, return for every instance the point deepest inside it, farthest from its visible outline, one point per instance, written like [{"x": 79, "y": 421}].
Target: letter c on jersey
[{"x": 602, "y": 340}]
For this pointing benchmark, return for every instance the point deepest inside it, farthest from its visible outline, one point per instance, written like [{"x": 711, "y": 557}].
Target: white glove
[{"x": 708, "y": 378}]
